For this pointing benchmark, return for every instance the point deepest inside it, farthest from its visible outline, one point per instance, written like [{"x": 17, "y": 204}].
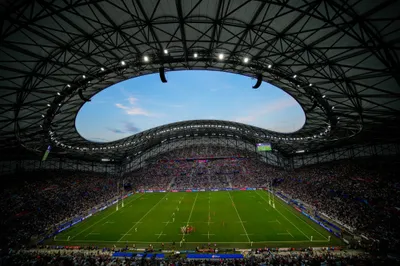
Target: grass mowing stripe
[
  {"x": 287, "y": 207},
  {"x": 190, "y": 215},
  {"x": 248, "y": 238},
  {"x": 285, "y": 217},
  {"x": 166, "y": 194},
  {"x": 102, "y": 219}
]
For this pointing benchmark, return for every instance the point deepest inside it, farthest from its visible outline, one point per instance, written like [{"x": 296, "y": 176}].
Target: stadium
[{"x": 200, "y": 132}]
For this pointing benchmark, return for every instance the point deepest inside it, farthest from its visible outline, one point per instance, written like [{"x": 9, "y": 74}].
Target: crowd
[
  {"x": 364, "y": 198},
  {"x": 203, "y": 167},
  {"x": 256, "y": 258},
  {"x": 35, "y": 203}
]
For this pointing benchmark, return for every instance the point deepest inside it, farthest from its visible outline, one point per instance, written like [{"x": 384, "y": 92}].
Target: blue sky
[{"x": 141, "y": 103}]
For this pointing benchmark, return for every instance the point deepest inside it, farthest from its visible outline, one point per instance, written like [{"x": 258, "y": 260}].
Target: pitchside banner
[{"x": 215, "y": 256}]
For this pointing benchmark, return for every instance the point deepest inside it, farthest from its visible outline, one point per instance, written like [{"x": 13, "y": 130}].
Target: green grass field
[{"x": 237, "y": 218}]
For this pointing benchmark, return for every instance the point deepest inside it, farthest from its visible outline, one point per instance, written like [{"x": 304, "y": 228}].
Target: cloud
[
  {"x": 116, "y": 130},
  {"x": 259, "y": 112},
  {"x": 131, "y": 128},
  {"x": 133, "y": 110},
  {"x": 132, "y": 100}
]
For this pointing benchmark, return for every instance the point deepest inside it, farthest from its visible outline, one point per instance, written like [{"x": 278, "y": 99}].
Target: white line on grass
[
  {"x": 190, "y": 215},
  {"x": 276, "y": 209},
  {"x": 160, "y": 234},
  {"x": 87, "y": 228},
  {"x": 92, "y": 234},
  {"x": 259, "y": 242},
  {"x": 289, "y": 233},
  {"x": 248, "y": 238},
  {"x": 143, "y": 217},
  {"x": 197, "y": 222},
  {"x": 208, "y": 234},
  {"x": 286, "y": 206}
]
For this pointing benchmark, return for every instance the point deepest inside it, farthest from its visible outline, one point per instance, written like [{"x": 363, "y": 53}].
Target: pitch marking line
[
  {"x": 92, "y": 234},
  {"x": 87, "y": 228},
  {"x": 197, "y": 222},
  {"x": 282, "y": 234},
  {"x": 190, "y": 215},
  {"x": 287, "y": 219},
  {"x": 289, "y": 233},
  {"x": 208, "y": 234},
  {"x": 125, "y": 234},
  {"x": 257, "y": 242},
  {"x": 137, "y": 222},
  {"x": 144, "y": 216},
  {"x": 160, "y": 234},
  {"x": 305, "y": 222},
  {"x": 248, "y": 238}
]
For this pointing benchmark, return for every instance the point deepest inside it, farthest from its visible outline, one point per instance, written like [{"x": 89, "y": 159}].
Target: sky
[{"x": 141, "y": 103}]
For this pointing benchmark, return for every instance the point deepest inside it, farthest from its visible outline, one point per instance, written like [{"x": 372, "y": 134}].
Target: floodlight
[
  {"x": 146, "y": 58},
  {"x": 83, "y": 76},
  {"x": 102, "y": 69},
  {"x": 195, "y": 55},
  {"x": 246, "y": 60},
  {"x": 123, "y": 63},
  {"x": 269, "y": 66},
  {"x": 221, "y": 56},
  {"x": 165, "y": 51}
]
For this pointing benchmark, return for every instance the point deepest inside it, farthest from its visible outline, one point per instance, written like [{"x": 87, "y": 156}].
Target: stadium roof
[{"x": 339, "y": 59}]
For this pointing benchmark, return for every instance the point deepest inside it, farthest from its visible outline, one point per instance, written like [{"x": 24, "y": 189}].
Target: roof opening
[{"x": 141, "y": 103}]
